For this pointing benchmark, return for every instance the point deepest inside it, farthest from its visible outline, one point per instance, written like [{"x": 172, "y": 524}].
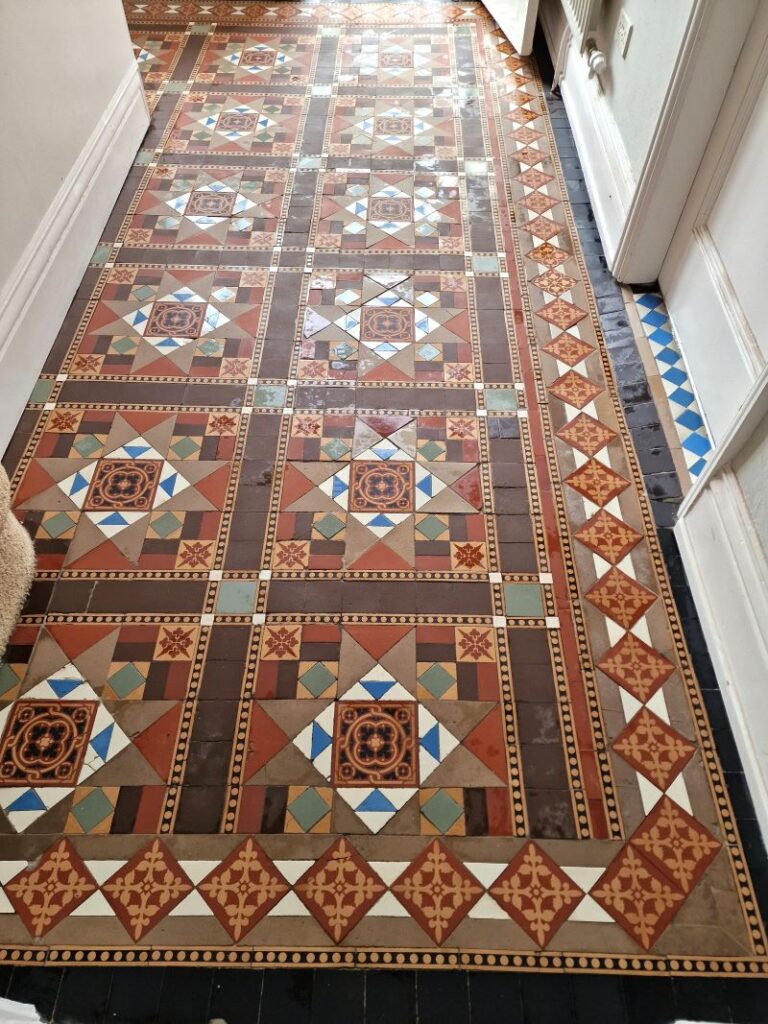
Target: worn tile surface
[{"x": 352, "y": 642}]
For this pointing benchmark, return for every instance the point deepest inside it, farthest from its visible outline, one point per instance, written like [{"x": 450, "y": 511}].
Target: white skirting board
[
  {"x": 46, "y": 277},
  {"x": 727, "y": 574}
]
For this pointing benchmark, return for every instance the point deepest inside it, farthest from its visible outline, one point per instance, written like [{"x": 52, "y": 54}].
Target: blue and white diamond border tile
[{"x": 689, "y": 422}]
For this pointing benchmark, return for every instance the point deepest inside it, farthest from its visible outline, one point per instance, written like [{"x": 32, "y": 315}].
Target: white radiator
[{"x": 582, "y": 16}]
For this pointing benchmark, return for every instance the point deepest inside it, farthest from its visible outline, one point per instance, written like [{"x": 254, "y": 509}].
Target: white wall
[
  {"x": 642, "y": 127},
  {"x": 73, "y": 117}
]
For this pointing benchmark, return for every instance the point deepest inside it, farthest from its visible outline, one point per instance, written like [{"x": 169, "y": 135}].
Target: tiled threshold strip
[{"x": 493, "y": 403}]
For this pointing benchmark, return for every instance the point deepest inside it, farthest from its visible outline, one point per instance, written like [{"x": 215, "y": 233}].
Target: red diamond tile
[
  {"x": 597, "y": 482},
  {"x": 437, "y": 891},
  {"x": 536, "y": 893},
  {"x": 620, "y": 597},
  {"x": 533, "y": 178},
  {"x": 555, "y": 284},
  {"x": 611, "y": 538},
  {"x": 586, "y": 433},
  {"x": 44, "y": 895},
  {"x": 146, "y": 889},
  {"x": 243, "y": 888},
  {"x": 539, "y": 202},
  {"x": 636, "y": 666},
  {"x": 638, "y": 896},
  {"x": 574, "y": 389},
  {"x": 528, "y": 154},
  {"x": 525, "y": 134},
  {"x": 561, "y": 313},
  {"x": 542, "y": 227},
  {"x": 676, "y": 843},
  {"x": 339, "y": 889},
  {"x": 653, "y": 748},
  {"x": 548, "y": 254}
]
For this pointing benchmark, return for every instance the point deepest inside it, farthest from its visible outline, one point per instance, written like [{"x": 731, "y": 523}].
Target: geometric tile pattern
[
  {"x": 350, "y": 639},
  {"x": 689, "y": 423}
]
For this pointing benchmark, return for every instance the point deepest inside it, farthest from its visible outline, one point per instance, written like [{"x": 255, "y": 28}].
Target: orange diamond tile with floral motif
[
  {"x": 539, "y": 202},
  {"x": 676, "y": 843},
  {"x": 620, "y": 597},
  {"x": 339, "y": 889},
  {"x": 568, "y": 349},
  {"x": 542, "y": 227},
  {"x": 637, "y": 667},
  {"x": 243, "y": 888},
  {"x": 638, "y": 896},
  {"x": 548, "y": 254},
  {"x": 574, "y": 389},
  {"x": 555, "y": 284},
  {"x": 44, "y": 895},
  {"x": 561, "y": 313},
  {"x": 533, "y": 178},
  {"x": 611, "y": 538},
  {"x": 438, "y": 891},
  {"x": 536, "y": 893},
  {"x": 586, "y": 433},
  {"x": 146, "y": 889},
  {"x": 654, "y": 748},
  {"x": 597, "y": 482}
]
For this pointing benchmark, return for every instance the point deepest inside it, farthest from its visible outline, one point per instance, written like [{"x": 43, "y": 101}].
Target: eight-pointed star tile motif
[
  {"x": 376, "y": 745},
  {"x": 54, "y": 739},
  {"x": 188, "y": 208},
  {"x": 387, "y": 326},
  {"x": 390, "y": 211}
]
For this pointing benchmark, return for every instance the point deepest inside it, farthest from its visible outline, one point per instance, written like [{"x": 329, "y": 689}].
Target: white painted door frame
[{"x": 721, "y": 550}]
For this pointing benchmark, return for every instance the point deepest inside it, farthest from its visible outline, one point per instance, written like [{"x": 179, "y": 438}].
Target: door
[{"x": 713, "y": 277}]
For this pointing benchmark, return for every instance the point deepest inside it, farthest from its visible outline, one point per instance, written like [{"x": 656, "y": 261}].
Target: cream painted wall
[
  {"x": 56, "y": 85},
  {"x": 73, "y": 117}
]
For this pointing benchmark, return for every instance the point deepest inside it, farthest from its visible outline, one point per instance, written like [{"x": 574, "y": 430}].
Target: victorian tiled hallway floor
[{"x": 352, "y": 643}]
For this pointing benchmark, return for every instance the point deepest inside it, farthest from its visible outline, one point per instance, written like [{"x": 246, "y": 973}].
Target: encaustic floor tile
[{"x": 356, "y": 646}]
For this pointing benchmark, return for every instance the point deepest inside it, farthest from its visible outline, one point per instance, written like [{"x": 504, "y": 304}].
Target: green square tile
[
  {"x": 209, "y": 347},
  {"x": 175, "y": 87},
  {"x": 485, "y": 264},
  {"x": 329, "y": 525},
  {"x": 143, "y": 291},
  {"x": 431, "y": 527},
  {"x": 270, "y": 396},
  {"x": 125, "y": 345},
  {"x": 101, "y": 254},
  {"x": 442, "y": 810},
  {"x": 41, "y": 392},
  {"x": 308, "y": 808},
  {"x": 8, "y": 678},
  {"x": 431, "y": 450},
  {"x": 58, "y": 524},
  {"x": 523, "y": 600},
  {"x": 437, "y": 680},
  {"x": 501, "y": 400},
  {"x": 144, "y": 157},
  {"x": 198, "y": 28},
  {"x": 166, "y": 524},
  {"x": 126, "y": 680},
  {"x": 185, "y": 447},
  {"x": 236, "y": 597},
  {"x": 317, "y": 679},
  {"x": 87, "y": 445},
  {"x": 309, "y": 162},
  {"x": 335, "y": 448},
  {"x": 92, "y": 810}
]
